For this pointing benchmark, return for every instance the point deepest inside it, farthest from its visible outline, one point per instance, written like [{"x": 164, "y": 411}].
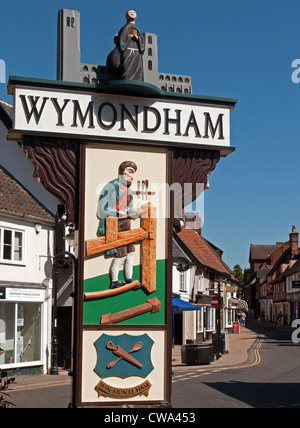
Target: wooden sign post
[{"x": 118, "y": 155}]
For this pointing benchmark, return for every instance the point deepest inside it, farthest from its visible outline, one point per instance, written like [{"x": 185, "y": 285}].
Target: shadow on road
[
  {"x": 270, "y": 330},
  {"x": 266, "y": 394},
  {"x": 261, "y": 395}
]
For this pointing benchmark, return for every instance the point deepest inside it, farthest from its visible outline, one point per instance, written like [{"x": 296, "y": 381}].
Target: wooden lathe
[{"x": 113, "y": 239}]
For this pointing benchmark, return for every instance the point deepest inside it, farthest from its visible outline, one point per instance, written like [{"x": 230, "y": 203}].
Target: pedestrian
[
  {"x": 243, "y": 319},
  {"x": 280, "y": 317}
]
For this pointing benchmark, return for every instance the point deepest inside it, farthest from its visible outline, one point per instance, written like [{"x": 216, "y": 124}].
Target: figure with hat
[{"x": 116, "y": 200}]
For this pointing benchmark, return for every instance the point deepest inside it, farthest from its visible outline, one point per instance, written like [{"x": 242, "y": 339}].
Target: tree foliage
[{"x": 238, "y": 273}]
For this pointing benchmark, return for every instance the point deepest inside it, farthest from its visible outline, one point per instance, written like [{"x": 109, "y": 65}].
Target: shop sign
[
  {"x": 25, "y": 295},
  {"x": 296, "y": 284}
]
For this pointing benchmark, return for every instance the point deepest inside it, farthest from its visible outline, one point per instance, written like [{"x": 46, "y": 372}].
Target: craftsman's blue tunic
[{"x": 109, "y": 197}]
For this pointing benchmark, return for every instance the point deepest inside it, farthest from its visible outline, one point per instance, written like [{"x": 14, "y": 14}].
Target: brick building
[{"x": 267, "y": 264}]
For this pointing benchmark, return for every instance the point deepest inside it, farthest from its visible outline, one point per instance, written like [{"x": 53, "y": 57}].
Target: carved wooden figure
[{"x": 113, "y": 239}]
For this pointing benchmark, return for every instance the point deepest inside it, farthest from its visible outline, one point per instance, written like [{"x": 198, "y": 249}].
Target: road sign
[{"x": 215, "y": 302}]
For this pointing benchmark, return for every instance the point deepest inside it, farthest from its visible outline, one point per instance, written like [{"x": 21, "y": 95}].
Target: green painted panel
[{"x": 94, "y": 309}]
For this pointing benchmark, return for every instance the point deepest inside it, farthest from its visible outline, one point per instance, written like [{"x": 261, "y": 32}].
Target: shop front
[
  {"x": 23, "y": 328},
  {"x": 282, "y": 313},
  {"x": 206, "y": 318},
  {"x": 294, "y": 306}
]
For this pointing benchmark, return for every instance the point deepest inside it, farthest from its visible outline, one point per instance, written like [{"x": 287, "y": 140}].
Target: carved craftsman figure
[
  {"x": 128, "y": 54},
  {"x": 116, "y": 200}
]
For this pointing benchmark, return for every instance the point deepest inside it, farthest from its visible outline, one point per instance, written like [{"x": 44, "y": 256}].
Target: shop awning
[
  {"x": 181, "y": 305},
  {"x": 238, "y": 304}
]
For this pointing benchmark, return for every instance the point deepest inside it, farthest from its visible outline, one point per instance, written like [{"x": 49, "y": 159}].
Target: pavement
[
  {"x": 242, "y": 347},
  {"x": 242, "y": 353},
  {"x": 40, "y": 381}
]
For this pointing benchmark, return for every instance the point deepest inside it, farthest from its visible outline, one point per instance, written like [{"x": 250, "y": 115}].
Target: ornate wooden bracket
[{"x": 56, "y": 166}]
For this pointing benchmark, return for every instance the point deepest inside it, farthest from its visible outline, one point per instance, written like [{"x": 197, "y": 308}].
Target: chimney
[
  {"x": 294, "y": 242},
  {"x": 193, "y": 221}
]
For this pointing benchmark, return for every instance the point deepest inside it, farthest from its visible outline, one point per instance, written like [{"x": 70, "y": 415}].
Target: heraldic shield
[{"x": 124, "y": 355}]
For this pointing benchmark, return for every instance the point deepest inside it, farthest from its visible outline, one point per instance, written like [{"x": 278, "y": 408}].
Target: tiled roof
[
  {"x": 6, "y": 113},
  {"x": 16, "y": 200},
  {"x": 202, "y": 251},
  {"x": 262, "y": 252}
]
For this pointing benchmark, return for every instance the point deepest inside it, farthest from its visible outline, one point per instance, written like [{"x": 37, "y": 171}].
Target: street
[
  {"x": 271, "y": 381},
  {"x": 50, "y": 397}
]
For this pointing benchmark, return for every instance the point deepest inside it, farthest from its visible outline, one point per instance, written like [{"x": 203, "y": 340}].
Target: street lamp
[{"x": 70, "y": 238}]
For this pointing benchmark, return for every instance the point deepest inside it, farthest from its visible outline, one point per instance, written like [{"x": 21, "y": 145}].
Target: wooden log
[
  {"x": 148, "y": 251},
  {"x": 119, "y": 352},
  {"x": 111, "y": 225},
  {"x": 99, "y": 245},
  {"x": 152, "y": 305},
  {"x": 93, "y": 295}
]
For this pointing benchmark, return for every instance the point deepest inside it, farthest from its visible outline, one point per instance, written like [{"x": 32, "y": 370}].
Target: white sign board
[{"x": 103, "y": 116}]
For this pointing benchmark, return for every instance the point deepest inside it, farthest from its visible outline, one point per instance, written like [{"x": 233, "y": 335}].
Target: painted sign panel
[
  {"x": 137, "y": 364},
  {"x": 124, "y": 272},
  {"x": 125, "y": 260},
  {"x": 135, "y": 375},
  {"x": 109, "y": 116}
]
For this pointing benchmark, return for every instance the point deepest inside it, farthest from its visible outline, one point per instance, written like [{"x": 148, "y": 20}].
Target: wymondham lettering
[{"x": 122, "y": 118}]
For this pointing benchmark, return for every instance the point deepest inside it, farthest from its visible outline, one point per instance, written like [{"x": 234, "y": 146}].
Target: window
[
  {"x": 70, "y": 21},
  {"x": 11, "y": 246},
  {"x": 201, "y": 283},
  {"x": 199, "y": 315},
  {"x": 182, "y": 281},
  {"x": 229, "y": 317},
  {"x": 20, "y": 332},
  {"x": 206, "y": 319},
  {"x": 210, "y": 319}
]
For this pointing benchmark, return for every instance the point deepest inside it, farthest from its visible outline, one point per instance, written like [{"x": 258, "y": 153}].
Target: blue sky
[{"x": 237, "y": 49}]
